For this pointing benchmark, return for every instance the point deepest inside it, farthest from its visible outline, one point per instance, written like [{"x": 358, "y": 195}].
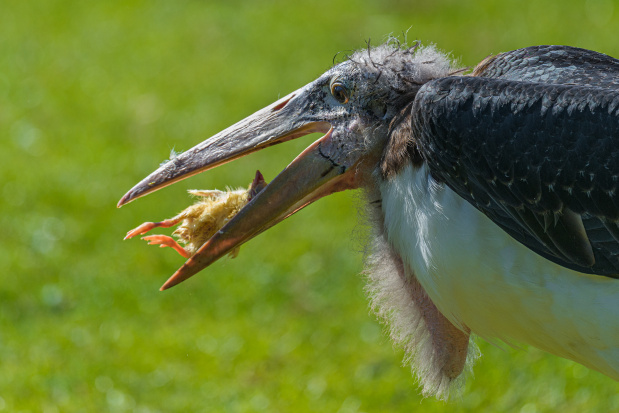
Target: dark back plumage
[{"x": 531, "y": 141}]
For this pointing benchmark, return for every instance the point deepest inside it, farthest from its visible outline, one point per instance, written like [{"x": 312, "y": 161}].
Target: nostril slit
[{"x": 281, "y": 105}]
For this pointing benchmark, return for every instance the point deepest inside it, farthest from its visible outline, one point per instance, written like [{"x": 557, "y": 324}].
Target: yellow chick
[{"x": 201, "y": 220}]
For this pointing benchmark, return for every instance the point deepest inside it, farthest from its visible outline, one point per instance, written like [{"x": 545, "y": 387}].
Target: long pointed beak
[
  {"x": 309, "y": 177},
  {"x": 276, "y": 123}
]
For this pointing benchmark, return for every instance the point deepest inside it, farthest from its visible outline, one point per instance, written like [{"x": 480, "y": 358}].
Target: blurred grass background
[{"x": 93, "y": 95}]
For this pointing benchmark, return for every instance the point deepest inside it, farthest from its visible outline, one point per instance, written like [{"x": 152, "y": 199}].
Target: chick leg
[
  {"x": 147, "y": 226},
  {"x": 165, "y": 241}
]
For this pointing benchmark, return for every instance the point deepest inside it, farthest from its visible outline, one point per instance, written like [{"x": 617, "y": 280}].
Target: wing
[
  {"x": 539, "y": 159},
  {"x": 553, "y": 65}
]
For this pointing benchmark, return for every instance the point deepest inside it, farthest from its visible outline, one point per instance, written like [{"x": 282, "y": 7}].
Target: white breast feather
[
  {"x": 480, "y": 277},
  {"x": 405, "y": 313}
]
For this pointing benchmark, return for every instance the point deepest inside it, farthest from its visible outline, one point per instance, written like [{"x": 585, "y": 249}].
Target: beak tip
[
  {"x": 178, "y": 277},
  {"x": 171, "y": 282},
  {"x": 125, "y": 199},
  {"x": 168, "y": 284},
  {"x": 134, "y": 193}
]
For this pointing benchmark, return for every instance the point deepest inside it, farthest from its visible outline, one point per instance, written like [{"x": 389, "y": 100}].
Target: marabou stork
[{"x": 493, "y": 195}]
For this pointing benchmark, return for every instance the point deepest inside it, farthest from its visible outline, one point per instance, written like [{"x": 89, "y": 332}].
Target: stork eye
[{"x": 339, "y": 92}]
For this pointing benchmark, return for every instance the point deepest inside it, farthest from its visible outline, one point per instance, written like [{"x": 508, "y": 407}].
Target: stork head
[{"x": 353, "y": 104}]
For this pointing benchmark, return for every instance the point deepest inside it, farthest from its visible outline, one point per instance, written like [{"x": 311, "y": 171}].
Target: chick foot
[{"x": 200, "y": 221}]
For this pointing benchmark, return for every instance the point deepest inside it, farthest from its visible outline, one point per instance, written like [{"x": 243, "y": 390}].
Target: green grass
[{"x": 93, "y": 95}]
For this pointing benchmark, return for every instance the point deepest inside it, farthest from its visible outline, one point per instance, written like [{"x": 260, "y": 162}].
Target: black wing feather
[
  {"x": 553, "y": 65},
  {"x": 539, "y": 159}
]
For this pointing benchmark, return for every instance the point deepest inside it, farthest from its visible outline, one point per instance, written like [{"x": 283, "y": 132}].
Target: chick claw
[
  {"x": 165, "y": 241},
  {"x": 147, "y": 226}
]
